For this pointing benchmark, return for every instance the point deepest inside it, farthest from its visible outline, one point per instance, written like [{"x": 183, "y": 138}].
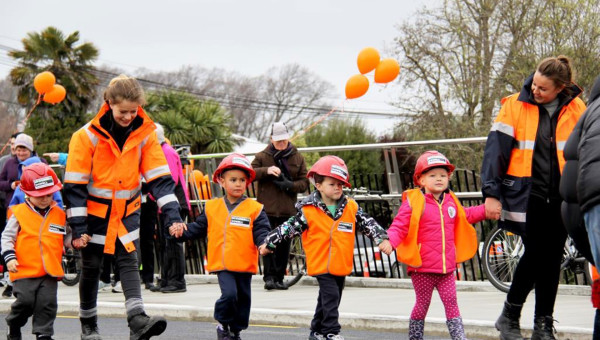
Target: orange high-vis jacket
[
  {"x": 328, "y": 243},
  {"x": 103, "y": 182},
  {"x": 39, "y": 243},
  {"x": 465, "y": 236},
  {"x": 230, "y": 240}
]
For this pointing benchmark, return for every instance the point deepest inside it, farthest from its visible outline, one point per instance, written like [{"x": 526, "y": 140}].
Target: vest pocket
[
  {"x": 97, "y": 209},
  {"x": 133, "y": 206}
]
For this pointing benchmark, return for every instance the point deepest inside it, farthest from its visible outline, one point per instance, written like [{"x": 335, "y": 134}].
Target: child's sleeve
[
  {"x": 368, "y": 226},
  {"x": 196, "y": 229},
  {"x": 399, "y": 227},
  {"x": 9, "y": 237},
  {"x": 475, "y": 214},
  {"x": 261, "y": 227},
  {"x": 288, "y": 230}
]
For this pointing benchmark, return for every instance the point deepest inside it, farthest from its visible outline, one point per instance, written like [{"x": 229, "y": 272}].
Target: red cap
[
  {"x": 428, "y": 160},
  {"x": 39, "y": 179},
  {"x": 331, "y": 166},
  {"x": 235, "y": 161}
]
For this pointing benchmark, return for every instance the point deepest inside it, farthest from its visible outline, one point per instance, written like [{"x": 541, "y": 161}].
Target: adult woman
[
  {"x": 521, "y": 171},
  {"x": 102, "y": 187}
]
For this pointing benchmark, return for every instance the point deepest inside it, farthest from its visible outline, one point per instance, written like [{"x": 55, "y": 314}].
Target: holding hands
[
  {"x": 263, "y": 250},
  {"x": 386, "y": 247},
  {"x": 81, "y": 242},
  {"x": 493, "y": 208},
  {"x": 177, "y": 229}
]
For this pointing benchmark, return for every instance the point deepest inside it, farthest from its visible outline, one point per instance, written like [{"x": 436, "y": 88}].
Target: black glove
[{"x": 283, "y": 183}]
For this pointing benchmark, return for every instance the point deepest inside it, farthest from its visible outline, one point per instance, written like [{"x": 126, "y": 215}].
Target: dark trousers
[
  {"x": 275, "y": 264},
  {"x": 148, "y": 220},
  {"x": 109, "y": 265},
  {"x": 540, "y": 265},
  {"x": 233, "y": 307},
  {"x": 92, "y": 258},
  {"x": 326, "y": 318},
  {"x": 37, "y": 297},
  {"x": 172, "y": 269}
]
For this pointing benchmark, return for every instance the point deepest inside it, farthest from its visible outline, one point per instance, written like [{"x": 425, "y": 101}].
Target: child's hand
[
  {"x": 81, "y": 242},
  {"x": 386, "y": 247},
  {"x": 263, "y": 250},
  {"x": 12, "y": 266},
  {"x": 177, "y": 229},
  {"x": 493, "y": 208}
]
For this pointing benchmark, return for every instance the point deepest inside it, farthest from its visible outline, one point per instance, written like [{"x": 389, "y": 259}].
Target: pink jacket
[
  {"x": 176, "y": 169},
  {"x": 433, "y": 243}
]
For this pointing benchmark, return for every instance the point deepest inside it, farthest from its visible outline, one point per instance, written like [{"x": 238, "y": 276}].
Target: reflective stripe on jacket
[
  {"x": 328, "y": 243},
  {"x": 230, "y": 239},
  {"x": 39, "y": 243},
  {"x": 446, "y": 239},
  {"x": 102, "y": 182}
]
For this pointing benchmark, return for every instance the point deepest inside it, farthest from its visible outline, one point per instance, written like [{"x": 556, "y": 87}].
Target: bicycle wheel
[
  {"x": 502, "y": 251},
  {"x": 296, "y": 262},
  {"x": 71, "y": 263}
]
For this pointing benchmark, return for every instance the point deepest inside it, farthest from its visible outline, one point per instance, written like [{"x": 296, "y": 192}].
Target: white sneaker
[
  {"x": 104, "y": 287},
  {"x": 335, "y": 337},
  {"x": 117, "y": 288}
]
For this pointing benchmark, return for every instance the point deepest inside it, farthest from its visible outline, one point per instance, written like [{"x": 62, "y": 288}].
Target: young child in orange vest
[
  {"x": 432, "y": 233},
  {"x": 328, "y": 221},
  {"x": 235, "y": 226},
  {"x": 32, "y": 247}
]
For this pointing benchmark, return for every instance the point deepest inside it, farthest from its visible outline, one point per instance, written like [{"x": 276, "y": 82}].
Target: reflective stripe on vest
[
  {"x": 329, "y": 244},
  {"x": 465, "y": 236},
  {"x": 230, "y": 239},
  {"x": 35, "y": 232}
]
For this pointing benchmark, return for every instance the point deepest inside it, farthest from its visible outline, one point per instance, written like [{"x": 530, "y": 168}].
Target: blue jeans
[{"x": 592, "y": 225}]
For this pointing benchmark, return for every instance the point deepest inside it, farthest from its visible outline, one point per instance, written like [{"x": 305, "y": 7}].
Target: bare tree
[{"x": 11, "y": 112}]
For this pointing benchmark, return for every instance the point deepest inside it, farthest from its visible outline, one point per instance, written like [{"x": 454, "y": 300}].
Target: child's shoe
[
  {"x": 331, "y": 336},
  {"x": 235, "y": 336},
  {"x": 223, "y": 333},
  {"x": 316, "y": 336},
  {"x": 7, "y": 291}
]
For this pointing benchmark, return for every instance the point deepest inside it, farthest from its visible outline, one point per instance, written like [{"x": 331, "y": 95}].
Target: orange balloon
[
  {"x": 44, "y": 81},
  {"x": 56, "y": 95},
  {"x": 356, "y": 86},
  {"x": 367, "y": 60},
  {"x": 386, "y": 71}
]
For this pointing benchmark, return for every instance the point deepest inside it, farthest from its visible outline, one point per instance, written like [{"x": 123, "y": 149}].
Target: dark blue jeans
[
  {"x": 326, "y": 318},
  {"x": 233, "y": 307}
]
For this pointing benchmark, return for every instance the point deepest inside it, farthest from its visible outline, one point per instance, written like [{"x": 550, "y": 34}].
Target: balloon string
[
  {"x": 317, "y": 122},
  {"x": 37, "y": 102}
]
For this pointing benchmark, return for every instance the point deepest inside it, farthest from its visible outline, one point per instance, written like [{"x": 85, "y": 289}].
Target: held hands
[
  {"x": 493, "y": 208},
  {"x": 263, "y": 250},
  {"x": 12, "y": 266},
  {"x": 386, "y": 247},
  {"x": 81, "y": 242},
  {"x": 177, "y": 229},
  {"x": 274, "y": 171}
]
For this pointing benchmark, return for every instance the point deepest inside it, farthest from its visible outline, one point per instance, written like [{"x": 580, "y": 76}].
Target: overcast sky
[{"x": 247, "y": 36}]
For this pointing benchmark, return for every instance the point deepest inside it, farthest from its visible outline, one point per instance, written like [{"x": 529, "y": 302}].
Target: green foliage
[
  {"x": 204, "y": 125},
  {"x": 345, "y": 132},
  {"x": 71, "y": 63}
]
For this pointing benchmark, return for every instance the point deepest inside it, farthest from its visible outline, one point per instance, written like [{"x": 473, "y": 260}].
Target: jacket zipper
[{"x": 443, "y": 237}]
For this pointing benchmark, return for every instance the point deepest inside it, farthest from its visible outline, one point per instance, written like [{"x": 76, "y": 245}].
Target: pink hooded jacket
[{"x": 436, "y": 232}]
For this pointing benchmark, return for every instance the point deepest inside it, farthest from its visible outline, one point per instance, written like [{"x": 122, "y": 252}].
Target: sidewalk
[{"x": 366, "y": 304}]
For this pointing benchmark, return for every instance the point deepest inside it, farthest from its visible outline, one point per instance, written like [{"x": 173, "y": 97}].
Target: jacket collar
[
  {"x": 137, "y": 134},
  {"x": 564, "y": 99}
]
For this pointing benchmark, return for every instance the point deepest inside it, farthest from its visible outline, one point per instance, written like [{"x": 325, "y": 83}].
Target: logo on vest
[
  {"x": 345, "y": 227},
  {"x": 451, "y": 212},
  {"x": 240, "y": 221},
  {"x": 57, "y": 229}
]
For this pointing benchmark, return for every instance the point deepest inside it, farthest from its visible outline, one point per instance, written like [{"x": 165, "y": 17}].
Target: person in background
[
  {"x": 522, "y": 165},
  {"x": 19, "y": 195},
  {"x": 281, "y": 176}
]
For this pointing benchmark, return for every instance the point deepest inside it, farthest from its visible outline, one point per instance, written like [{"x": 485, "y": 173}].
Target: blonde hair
[
  {"x": 123, "y": 88},
  {"x": 558, "y": 69}
]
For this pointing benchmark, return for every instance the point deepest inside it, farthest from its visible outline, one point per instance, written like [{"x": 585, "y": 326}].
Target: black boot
[
  {"x": 508, "y": 322},
  {"x": 143, "y": 327},
  {"x": 89, "y": 328},
  {"x": 543, "y": 328}
]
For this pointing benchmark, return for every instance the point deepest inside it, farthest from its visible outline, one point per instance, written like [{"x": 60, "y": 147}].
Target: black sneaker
[
  {"x": 172, "y": 289},
  {"x": 270, "y": 284},
  {"x": 7, "y": 291},
  {"x": 222, "y": 333},
  {"x": 149, "y": 286}
]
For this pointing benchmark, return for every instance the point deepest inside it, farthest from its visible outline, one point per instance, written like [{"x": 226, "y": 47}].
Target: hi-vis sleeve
[
  {"x": 156, "y": 171},
  {"x": 77, "y": 177}
]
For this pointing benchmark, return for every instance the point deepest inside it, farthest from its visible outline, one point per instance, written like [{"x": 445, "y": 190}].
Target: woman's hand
[
  {"x": 274, "y": 171},
  {"x": 177, "y": 229},
  {"x": 81, "y": 242},
  {"x": 493, "y": 208}
]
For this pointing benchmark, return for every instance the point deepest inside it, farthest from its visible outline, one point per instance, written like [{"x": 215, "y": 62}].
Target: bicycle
[
  {"x": 502, "y": 251},
  {"x": 71, "y": 264}
]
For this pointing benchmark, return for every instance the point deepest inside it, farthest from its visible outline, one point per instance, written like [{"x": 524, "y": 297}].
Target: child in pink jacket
[{"x": 432, "y": 233}]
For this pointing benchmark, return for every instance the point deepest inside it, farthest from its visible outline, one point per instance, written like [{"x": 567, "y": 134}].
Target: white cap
[
  {"x": 25, "y": 141},
  {"x": 279, "y": 132}
]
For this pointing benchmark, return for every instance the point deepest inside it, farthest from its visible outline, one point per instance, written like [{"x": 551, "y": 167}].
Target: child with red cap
[
  {"x": 235, "y": 226},
  {"x": 328, "y": 221},
  {"x": 432, "y": 233},
  {"x": 38, "y": 223}
]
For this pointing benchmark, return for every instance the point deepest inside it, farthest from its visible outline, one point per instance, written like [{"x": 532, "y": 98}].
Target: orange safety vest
[
  {"x": 230, "y": 240},
  {"x": 113, "y": 177},
  {"x": 465, "y": 236},
  {"x": 38, "y": 232},
  {"x": 329, "y": 244}
]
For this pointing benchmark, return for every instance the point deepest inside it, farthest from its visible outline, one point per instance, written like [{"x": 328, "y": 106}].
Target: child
[
  {"x": 327, "y": 221},
  {"x": 433, "y": 233},
  {"x": 35, "y": 273},
  {"x": 235, "y": 226}
]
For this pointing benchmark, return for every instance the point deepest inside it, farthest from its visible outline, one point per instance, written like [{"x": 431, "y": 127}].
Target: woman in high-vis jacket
[
  {"x": 521, "y": 172},
  {"x": 107, "y": 158}
]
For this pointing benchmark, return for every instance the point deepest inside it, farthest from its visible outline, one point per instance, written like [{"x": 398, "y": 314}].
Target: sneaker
[
  {"x": 43, "y": 337},
  {"x": 270, "y": 284},
  {"x": 148, "y": 285},
  {"x": 117, "y": 288},
  {"x": 104, "y": 287},
  {"x": 7, "y": 292},
  {"x": 155, "y": 288},
  {"x": 316, "y": 336},
  {"x": 223, "y": 334},
  {"x": 331, "y": 336},
  {"x": 172, "y": 289},
  {"x": 236, "y": 336}
]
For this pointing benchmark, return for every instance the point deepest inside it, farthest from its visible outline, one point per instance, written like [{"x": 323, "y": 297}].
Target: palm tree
[
  {"x": 205, "y": 125},
  {"x": 72, "y": 64}
]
